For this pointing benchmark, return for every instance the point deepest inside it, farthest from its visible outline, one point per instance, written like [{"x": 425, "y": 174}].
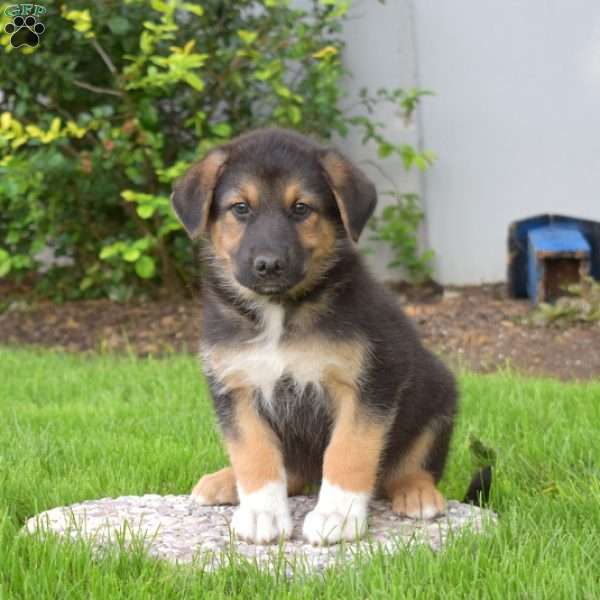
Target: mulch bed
[{"x": 476, "y": 327}]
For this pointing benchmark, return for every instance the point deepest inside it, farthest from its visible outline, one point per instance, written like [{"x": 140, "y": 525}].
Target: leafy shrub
[
  {"x": 119, "y": 97},
  {"x": 399, "y": 222},
  {"x": 398, "y": 226}
]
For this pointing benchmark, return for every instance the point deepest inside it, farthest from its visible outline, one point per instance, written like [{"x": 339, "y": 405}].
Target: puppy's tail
[{"x": 479, "y": 489}]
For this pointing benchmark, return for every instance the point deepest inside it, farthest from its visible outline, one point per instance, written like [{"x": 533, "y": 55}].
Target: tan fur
[
  {"x": 351, "y": 460},
  {"x": 220, "y": 487},
  {"x": 292, "y": 193},
  {"x": 217, "y": 488},
  {"x": 408, "y": 485},
  {"x": 226, "y": 234},
  {"x": 207, "y": 172},
  {"x": 411, "y": 493},
  {"x": 316, "y": 234},
  {"x": 337, "y": 171},
  {"x": 307, "y": 314},
  {"x": 250, "y": 193},
  {"x": 345, "y": 372},
  {"x": 311, "y": 358},
  {"x": 414, "y": 459},
  {"x": 253, "y": 449}
]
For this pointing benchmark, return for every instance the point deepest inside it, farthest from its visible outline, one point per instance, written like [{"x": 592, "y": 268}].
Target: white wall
[{"x": 516, "y": 122}]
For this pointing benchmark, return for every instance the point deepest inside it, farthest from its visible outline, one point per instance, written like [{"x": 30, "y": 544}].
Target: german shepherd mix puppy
[{"x": 316, "y": 374}]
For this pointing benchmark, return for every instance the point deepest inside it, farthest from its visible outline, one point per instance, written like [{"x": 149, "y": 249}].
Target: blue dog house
[
  {"x": 548, "y": 252},
  {"x": 557, "y": 256}
]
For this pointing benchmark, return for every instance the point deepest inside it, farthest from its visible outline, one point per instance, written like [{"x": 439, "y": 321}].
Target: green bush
[
  {"x": 398, "y": 226},
  {"x": 119, "y": 97}
]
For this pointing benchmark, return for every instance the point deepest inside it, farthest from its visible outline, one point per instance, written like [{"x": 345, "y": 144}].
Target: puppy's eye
[
  {"x": 300, "y": 209},
  {"x": 240, "y": 209}
]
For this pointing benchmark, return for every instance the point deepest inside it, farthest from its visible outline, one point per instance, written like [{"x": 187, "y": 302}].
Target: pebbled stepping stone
[{"x": 177, "y": 529}]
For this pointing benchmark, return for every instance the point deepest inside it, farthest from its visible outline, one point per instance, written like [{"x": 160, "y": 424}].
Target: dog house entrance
[
  {"x": 558, "y": 274},
  {"x": 547, "y": 253}
]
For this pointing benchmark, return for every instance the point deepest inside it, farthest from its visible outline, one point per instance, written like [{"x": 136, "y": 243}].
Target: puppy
[{"x": 317, "y": 376}]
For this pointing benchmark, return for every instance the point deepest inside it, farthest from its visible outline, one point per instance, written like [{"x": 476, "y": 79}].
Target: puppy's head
[{"x": 274, "y": 208}]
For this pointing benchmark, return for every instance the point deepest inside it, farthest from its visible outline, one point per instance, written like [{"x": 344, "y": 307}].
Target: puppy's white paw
[
  {"x": 329, "y": 528},
  {"x": 339, "y": 515},
  {"x": 261, "y": 527},
  {"x": 263, "y": 516}
]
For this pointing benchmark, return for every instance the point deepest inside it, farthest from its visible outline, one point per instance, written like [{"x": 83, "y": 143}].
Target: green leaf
[
  {"x": 135, "y": 175},
  {"x": 248, "y": 37},
  {"x": 384, "y": 150},
  {"x": 159, "y": 6},
  {"x": 194, "y": 81},
  {"x": 128, "y": 195},
  {"x": 193, "y": 8},
  {"x": 131, "y": 255},
  {"x": 146, "y": 42},
  {"x": 145, "y": 267},
  {"x": 282, "y": 90},
  {"x": 168, "y": 227},
  {"x": 267, "y": 73},
  {"x": 295, "y": 114},
  {"x": 146, "y": 211},
  {"x": 5, "y": 262},
  {"x": 420, "y": 162},
  {"x": 221, "y": 129},
  {"x": 118, "y": 25},
  {"x": 142, "y": 244},
  {"x": 112, "y": 250},
  {"x": 86, "y": 283}
]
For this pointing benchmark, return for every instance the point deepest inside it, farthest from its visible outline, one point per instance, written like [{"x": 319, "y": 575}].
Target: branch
[
  {"x": 95, "y": 88},
  {"x": 100, "y": 50}
]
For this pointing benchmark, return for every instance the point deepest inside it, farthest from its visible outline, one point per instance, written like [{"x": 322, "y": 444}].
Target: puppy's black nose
[{"x": 269, "y": 265}]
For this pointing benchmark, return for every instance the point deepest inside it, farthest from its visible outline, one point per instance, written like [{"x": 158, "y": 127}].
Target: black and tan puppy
[{"x": 316, "y": 374}]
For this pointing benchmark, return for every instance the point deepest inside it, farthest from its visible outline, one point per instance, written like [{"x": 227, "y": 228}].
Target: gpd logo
[{"x": 25, "y": 28}]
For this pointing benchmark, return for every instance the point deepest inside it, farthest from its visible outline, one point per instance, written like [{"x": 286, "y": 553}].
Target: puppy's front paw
[
  {"x": 321, "y": 528},
  {"x": 339, "y": 515},
  {"x": 261, "y": 527},
  {"x": 263, "y": 516}
]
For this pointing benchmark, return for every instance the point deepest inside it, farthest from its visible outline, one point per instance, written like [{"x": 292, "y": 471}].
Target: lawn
[{"x": 73, "y": 428}]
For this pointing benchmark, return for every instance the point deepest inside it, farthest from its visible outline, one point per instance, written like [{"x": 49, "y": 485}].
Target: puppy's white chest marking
[{"x": 262, "y": 361}]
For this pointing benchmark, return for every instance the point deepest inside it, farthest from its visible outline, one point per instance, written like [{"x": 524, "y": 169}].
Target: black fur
[{"x": 480, "y": 487}]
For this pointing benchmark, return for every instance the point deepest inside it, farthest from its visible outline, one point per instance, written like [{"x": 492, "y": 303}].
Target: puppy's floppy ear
[
  {"x": 354, "y": 193},
  {"x": 193, "y": 194}
]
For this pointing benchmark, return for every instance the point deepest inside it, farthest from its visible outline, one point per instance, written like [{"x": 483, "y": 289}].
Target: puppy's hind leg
[
  {"x": 216, "y": 488},
  {"x": 411, "y": 483},
  {"x": 220, "y": 488},
  {"x": 416, "y": 496}
]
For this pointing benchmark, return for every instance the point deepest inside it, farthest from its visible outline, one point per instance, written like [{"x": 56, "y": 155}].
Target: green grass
[{"x": 73, "y": 428}]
